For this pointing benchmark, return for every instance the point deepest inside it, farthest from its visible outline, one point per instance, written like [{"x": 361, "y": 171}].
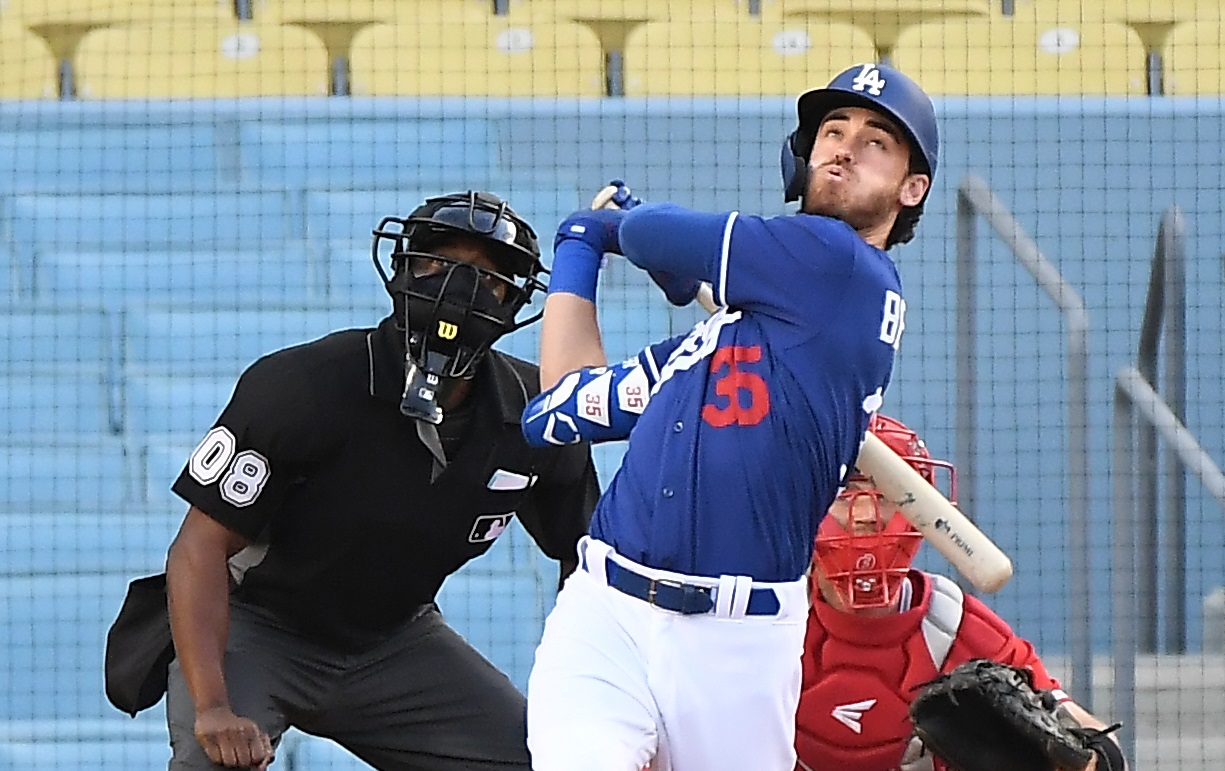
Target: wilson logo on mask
[{"x": 447, "y": 330}]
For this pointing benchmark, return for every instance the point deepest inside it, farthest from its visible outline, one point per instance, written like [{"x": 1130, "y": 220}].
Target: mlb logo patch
[{"x": 489, "y": 526}]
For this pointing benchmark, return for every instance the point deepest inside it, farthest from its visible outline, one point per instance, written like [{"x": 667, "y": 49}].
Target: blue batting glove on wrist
[
  {"x": 598, "y": 229},
  {"x": 679, "y": 291},
  {"x": 623, "y": 198}
]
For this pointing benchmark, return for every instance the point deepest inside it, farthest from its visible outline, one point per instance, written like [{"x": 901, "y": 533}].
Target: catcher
[{"x": 882, "y": 635}]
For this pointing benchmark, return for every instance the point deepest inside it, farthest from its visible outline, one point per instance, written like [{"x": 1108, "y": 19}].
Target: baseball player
[
  {"x": 343, "y": 482},
  {"x": 678, "y": 641},
  {"x": 879, "y": 629}
]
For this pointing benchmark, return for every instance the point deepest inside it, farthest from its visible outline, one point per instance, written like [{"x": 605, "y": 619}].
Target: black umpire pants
[{"x": 424, "y": 700}]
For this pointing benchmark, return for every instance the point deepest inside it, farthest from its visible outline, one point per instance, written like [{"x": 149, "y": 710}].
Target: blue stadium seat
[
  {"x": 135, "y": 159},
  {"x": 71, "y": 542},
  {"x": 86, "y": 474},
  {"x": 41, "y": 339},
  {"x": 279, "y": 274},
  {"x": 164, "y": 458},
  {"x": 180, "y": 341},
  {"x": 135, "y": 754},
  {"x": 351, "y": 273},
  {"x": 36, "y": 405},
  {"x": 360, "y": 154},
  {"x": 53, "y": 634},
  {"x": 174, "y": 404},
  {"x": 136, "y": 221},
  {"x": 350, "y": 215}
]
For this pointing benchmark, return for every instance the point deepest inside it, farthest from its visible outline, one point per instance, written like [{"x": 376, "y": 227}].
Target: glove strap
[{"x": 1109, "y": 756}]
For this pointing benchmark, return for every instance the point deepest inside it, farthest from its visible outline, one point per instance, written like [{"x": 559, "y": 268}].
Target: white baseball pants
[{"x": 619, "y": 683}]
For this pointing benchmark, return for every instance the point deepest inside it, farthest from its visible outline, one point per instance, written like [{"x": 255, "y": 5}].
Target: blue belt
[{"x": 681, "y": 597}]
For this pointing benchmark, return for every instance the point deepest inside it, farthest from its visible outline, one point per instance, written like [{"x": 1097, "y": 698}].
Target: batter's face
[{"x": 858, "y": 172}]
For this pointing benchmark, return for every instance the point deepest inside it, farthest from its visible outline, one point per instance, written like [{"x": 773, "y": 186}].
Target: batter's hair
[{"x": 903, "y": 227}]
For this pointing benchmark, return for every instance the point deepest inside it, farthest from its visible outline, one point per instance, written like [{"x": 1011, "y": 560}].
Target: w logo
[{"x": 447, "y": 330}]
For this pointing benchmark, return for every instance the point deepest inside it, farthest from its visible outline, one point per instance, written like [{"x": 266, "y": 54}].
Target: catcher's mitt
[{"x": 986, "y": 716}]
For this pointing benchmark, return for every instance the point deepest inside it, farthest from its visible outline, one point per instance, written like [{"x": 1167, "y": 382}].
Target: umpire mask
[{"x": 462, "y": 268}]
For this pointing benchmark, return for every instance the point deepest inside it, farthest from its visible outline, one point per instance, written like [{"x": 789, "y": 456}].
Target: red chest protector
[{"x": 861, "y": 673}]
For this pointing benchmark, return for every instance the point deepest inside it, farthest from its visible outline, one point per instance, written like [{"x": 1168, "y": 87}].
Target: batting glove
[
  {"x": 623, "y": 198},
  {"x": 598, "y": 229}
]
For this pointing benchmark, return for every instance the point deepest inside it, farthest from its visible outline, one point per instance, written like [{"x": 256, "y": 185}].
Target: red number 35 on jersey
[{"x": 746, "y": 394}]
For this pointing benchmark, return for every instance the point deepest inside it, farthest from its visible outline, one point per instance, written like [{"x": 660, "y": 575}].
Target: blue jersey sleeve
[
  {"x": 596, "y": 404},
  {"x": 792, "y": 267},
  {"x": 673, "y": 239}
]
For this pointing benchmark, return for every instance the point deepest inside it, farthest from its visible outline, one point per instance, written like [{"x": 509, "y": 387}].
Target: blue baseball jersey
[{"x": 754, "y": 418}]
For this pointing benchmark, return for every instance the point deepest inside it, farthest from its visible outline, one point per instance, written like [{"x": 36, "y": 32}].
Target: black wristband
[{"x": 1109, "y": 756}]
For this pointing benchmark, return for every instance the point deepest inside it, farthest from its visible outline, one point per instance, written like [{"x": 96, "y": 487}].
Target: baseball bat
[{"x": 965, "y": 546}]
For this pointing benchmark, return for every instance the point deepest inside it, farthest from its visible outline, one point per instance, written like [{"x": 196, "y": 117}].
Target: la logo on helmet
[{"x": 869, "y": 78}]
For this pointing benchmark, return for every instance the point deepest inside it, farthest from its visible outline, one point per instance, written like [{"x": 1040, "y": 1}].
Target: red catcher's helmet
[{"x": 866, "y": 560}]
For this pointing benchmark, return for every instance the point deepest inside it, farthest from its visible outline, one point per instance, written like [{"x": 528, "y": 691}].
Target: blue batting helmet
[{"x": 877, "y": 87}]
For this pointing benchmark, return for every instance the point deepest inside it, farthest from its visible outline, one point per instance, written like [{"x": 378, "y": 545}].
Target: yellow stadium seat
[
  {"x": 743, "y": 57},
  {"x": 62, "y": 24},
  {"x": 116, "y": 11},
  {"x": 1194, "y": 59},
  {"x": 492, "y": 56},
  {"x": 1023, "y": 54},
  {"x": 384, "y": 11},
  {"x": 27, "y": 68},
  {"x": 200, "y": 60},
  {"x": 884, "y": 20}
]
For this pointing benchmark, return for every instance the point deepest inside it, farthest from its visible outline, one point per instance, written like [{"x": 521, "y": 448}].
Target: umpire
[{"x": 343, "y": 482}]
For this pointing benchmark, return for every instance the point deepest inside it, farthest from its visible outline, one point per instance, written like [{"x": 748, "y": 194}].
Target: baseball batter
[
  {"x": 878, "y": 630},
  {"x": 678, "y": 641}
]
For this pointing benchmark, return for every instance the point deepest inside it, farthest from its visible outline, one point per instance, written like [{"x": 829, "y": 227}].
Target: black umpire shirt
[{"x": 312, "y": 461}]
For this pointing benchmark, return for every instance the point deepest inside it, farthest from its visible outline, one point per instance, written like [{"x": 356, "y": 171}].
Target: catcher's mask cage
[
  {"x": 451, "y": 311},
  {"x": 866, "y": 560}
]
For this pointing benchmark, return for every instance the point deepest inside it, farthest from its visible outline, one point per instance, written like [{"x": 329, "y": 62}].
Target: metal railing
[
  {"x": 975, "y": 199},
  {"x": 1165, "y": 309},
  {"x": 1135, "y": 400}
]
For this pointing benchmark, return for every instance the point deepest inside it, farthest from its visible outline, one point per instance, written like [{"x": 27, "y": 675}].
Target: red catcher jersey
[{"x": 860, "y": 672}]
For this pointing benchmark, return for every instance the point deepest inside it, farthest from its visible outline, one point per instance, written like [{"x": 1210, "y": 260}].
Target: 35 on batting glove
[
  {"x": 679, "y": 291},
  {"x": 597, "y": 228},
  {"x": 623, "y": 198}
]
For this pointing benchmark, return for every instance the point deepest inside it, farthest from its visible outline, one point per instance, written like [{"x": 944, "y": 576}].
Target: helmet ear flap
[{"x": 794, "y": 163}]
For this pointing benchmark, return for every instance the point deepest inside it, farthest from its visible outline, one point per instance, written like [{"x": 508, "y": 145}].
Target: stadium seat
[
  {"x": 1024, "y": 54},
  {"x": 360, "y": 154},
  {"x": 36, "y": 406},
  {"x": 116, "y": 11},
  {"x": 137, "y": 753},
  {"x": 200, "y": 60},
  {"x": 172, "y": 340},
  {"x": 53, "y": 633},
  {"x": 85, "y": 474},
  {"x": 738, "y": 57},
  {"x": 70, "y": 542},
  {"x": 40, "y": 339},
  {"x": 173, "y": 404},
  {"x": 491, "y": 56},
  {"x": 1195, "y": 60},
  {"x": 27, "y": 66},
  {"x": 883, "y": 20},
  {"x": 136, "y": 221},
  {"x": 281, "y": 274},
  {"x": 181, "y": 157}
]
